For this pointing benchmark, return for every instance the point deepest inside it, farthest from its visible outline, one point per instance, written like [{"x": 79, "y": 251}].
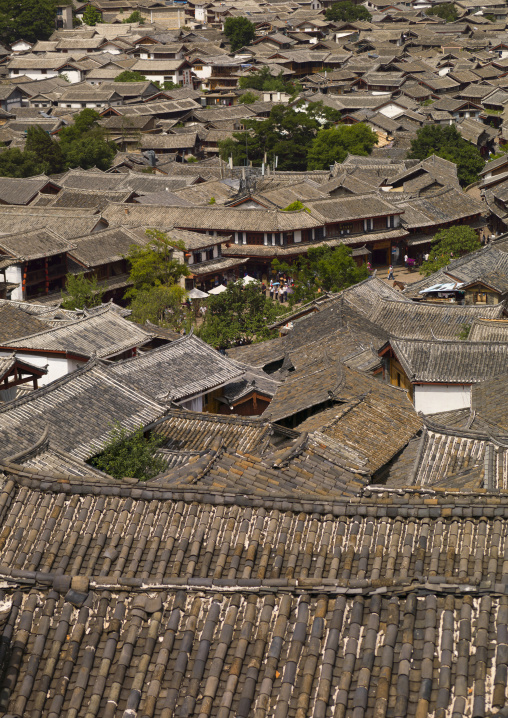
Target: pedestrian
[
  {"x": 405, "y": 260},
  {"x": 426, "y": 257},
  {"x": 369, "y": 267},
  {"x": 281, "y": 294},
  {"x": 390, "y": 273},
  {"x": 263, "y": 289},
  {"x": 271, "y": 288},
  {"x": 285, "y": 292}
]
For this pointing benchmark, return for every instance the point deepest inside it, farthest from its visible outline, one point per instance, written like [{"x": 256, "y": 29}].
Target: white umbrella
[
  {"x": 218, "y": 289},
  {"x": 247, "y": 279},
  {"x": 197, "y": 294}
]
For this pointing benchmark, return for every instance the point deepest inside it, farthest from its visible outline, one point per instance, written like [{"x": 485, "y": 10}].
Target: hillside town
[{"x": 253, "y": 359}]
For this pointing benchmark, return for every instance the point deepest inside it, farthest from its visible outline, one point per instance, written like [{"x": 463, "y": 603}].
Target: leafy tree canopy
[
  {"x": 48, "y": 152},
  {"x": 247, "y": 98},
  {"x": 447, "y": 12},
  {"x": 15, "y": 163},
  {"x": 160, "y": 305},
  {"x": 296, "y": 207},
  {"x": 82, "y": 144},
  {"x": 29, "y": 20},
  {"x": 449, "y": 244},
  {"x": 92, "y": 16},
  {"x": 135, "y": 16},
  {"x": 264, "y": 81},
  {"x": 241, "y": 313},
  {"x": 446, "y": 142},
  {"x": 130, "y": 455},
  {"x": 81, "y": 292},
  {"x": 154, "y": 265},
  {"x": 239, "y": 31},
  {"x": 333, "y": 145},
  {"x": 324, "y": 269},
  {"x": 287, "y": 133},
  {"x": 130, "y": 76},
  {"x": 346, "y": 11}
]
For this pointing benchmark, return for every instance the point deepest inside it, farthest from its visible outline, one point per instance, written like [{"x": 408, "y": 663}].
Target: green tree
[
  {"x": 48, "y": 152},
  {"x": 326, "y": 268},
  {"x": 160, "y": 305},
  {"x": 130, "y": 76},
  {"x": 154, "y": 273},
  {"x": 287, "y": 133},
  {"x": 447, "y": 12},
  {"x": 446, "y": 142},
  {"x": 296, "y": 206},
  {"x": 449, "y": 244},
  {"x": 465, "y": 330},
  {"x": 333, "y": 145},
  {"x": 84, "y": 143},
  {"x": 241, "y": 313},
  {"x": 81, "y": 292},
  {"x": 239, "y": 31},
  {"x": 167, "y": 85},
  {"x": 29, "y": 20},
  {"x": 248, "y": 98},
  {"x": 15, "y": 163},
  {"x": 346, "y": 11},
  {"x": 264, "y": 81},
  {"x": 135, "y": 16},
  {"x": 92, "y": 16},
  {"x": 130, "y": 455}
]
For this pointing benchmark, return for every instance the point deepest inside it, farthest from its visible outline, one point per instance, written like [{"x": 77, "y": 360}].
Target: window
[
  {"x": 198, "y": 67},
  {"x": 480, "y": 298},
  {"x": 368, "y": 225},
  {"x": 346, "y": 228},
  {"x": 196, "y": 257},
  {"x": 390, "y": 221},
  {"x": 209, "y": 253},
  {"x": 318, "y": 234}
]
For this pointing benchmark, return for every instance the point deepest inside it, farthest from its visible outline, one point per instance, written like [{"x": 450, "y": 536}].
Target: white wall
[
  {"x": 173, "y": 75},
  {"x": 57, "y": 366},
  {"x": 37, "y": 74},
  {"x": 13, "y": 275},
  {"x": 432, "y": 398},
  {"x": 193, "y": 404}
]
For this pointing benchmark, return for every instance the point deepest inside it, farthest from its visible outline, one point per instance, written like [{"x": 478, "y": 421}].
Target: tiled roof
[
  {"x": 458, "y": 362},
  {"x": 376, "y": 425},
  {"x": 34, "y": 244},
  {"x": 16, "y": 323},
  {"x": 446, "y": 205},
  {"x": 109, "y": 245},
  {"x": 187, "y": 367},
  {"x": 417, "y": 320},
  {"x": 492, "y": 330},
  {"x": 89, "y": 199},
  {"x": 261, "y": 354},
  {"x": 192, "y": 431},
  {"x": 104, "y": 334},
  {"x": 78, "y": 412},
  {"x": 489, "y": 401},
  {"x": 173, "y": 606},
  {"x": 21, "y": 191},
  {"x": 341, "y": 209},
  {"x": 211, "y": 218}
]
